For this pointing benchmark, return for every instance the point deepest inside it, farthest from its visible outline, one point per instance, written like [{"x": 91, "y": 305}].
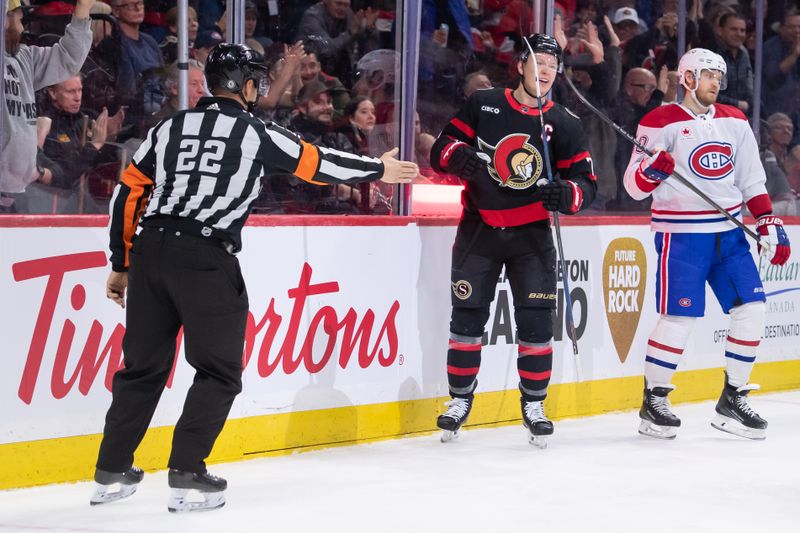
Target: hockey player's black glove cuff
[
  {"x": 563, "y": 196},
  {"x": 466, "y": 163}
]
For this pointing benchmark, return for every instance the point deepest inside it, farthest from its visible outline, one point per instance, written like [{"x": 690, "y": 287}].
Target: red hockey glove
[
  {"x": 774, "y": 243},
  {"x": 466, "y": 163},
  {"x": 563, "y": 196},
  {"x": 659, "y": 166}
]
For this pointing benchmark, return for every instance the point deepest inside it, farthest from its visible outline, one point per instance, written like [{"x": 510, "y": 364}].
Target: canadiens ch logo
[
  {"x": 712, "y": 160},
  {"x": 462, "y": 289},
  {"x": 516, "y": 163}
]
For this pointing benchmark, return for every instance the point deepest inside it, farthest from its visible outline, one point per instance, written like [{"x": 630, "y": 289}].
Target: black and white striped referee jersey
[{"x": 203, "y": 167}]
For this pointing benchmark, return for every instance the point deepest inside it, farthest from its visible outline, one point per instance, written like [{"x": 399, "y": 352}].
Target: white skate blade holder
[
  {"x": 540, "y": 441},
  {"x": 734, "y": 427},
  {"x": 449, "y": 436},
  {"x": 107, "y": 494},
  {"x": 649, "y": 429},
  {"x": 189, "y": 500}
]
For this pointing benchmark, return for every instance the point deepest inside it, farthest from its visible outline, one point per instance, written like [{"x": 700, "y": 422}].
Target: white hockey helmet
[
  {"x": 697, "y": 60},
  {"x": 378, "y": 67}
]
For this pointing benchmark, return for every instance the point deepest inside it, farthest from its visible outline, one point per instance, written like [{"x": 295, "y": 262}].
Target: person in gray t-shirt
[{"x": 28, "y": 69}]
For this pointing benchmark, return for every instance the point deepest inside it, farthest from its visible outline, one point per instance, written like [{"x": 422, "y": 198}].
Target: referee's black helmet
[{"x": 230, "y": 65}]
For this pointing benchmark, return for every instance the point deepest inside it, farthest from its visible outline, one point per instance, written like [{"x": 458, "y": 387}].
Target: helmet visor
[
  {"x": 715, "y": 75},
  {"x": 262, "y": 82}
]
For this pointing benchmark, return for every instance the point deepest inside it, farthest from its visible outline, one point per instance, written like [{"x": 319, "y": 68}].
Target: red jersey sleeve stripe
[
  {"x": 566, "y": 163},
  {"x": 463, "y": 127}
]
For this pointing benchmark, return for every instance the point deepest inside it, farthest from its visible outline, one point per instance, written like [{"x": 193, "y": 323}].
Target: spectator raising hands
[{"x": 613, "y": 38}]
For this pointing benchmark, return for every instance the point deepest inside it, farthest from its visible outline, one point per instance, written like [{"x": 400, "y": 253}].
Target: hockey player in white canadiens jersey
[{"x": 712, "y": 146}]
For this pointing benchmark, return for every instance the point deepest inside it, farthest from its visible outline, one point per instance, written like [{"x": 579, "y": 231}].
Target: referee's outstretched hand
[
  {"x": 115, "y": 287},
  {"x": 397, "y": 171}
]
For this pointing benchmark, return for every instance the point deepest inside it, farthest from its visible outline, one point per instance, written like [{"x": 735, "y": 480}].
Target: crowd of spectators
[{"x": 333, "y": 72}]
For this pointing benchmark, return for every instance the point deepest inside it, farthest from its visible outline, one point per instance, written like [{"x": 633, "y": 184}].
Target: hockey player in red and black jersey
[{"x": 494, "y": 144}]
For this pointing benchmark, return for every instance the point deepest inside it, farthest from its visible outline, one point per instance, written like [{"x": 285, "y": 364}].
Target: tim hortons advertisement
[
  {"x": 339, "y": 316},
  {"x": 331, "y": 324}
]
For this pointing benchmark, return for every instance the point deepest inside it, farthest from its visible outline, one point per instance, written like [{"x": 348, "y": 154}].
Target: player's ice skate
[
  {"x": 195, "y": 492},
  {"x": 456, "y": 415},
  {"x": 538, "y": 425},
  {"x": 657, "y": 419},
  {"x": 113, "y": 486},
  {"x": 735, "y": 416}
]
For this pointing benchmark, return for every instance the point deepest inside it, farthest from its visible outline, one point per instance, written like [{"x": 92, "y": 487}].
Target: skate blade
[
  {"x": 540, "y": 441},
  {"x": 449, "y": 436},
  {"x": 180, "y": 502},
  {"x": 659, "y": 432},
  {"x": 734, "y": 427},
  {"x": 104, "y": 494}
]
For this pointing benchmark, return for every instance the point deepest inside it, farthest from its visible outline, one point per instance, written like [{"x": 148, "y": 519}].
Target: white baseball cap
[{"x": 625, "y": 13}]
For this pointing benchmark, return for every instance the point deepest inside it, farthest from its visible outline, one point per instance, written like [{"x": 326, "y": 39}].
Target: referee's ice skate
[
  {"x": 456, "y": 415},
  {"x": 113, "y": 486},
  {"x": 186, "y": 489},
  {"x": 734, "y": 414},
  {"x": 534, "y": 419},
  {"x": 657, "y": 419}
]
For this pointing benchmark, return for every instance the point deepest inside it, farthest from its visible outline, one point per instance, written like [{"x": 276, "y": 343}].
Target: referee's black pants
[{"x": 177, "y": 280}]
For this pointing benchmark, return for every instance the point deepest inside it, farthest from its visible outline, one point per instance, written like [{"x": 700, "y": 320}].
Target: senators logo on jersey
[
  {"x": 515, "y": 162},
  {"x": 712, "y": 160}
]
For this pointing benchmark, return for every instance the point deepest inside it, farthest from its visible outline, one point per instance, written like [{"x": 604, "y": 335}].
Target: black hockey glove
[
  {"x": 466, "y": 163},
  {"x": 563, "y": 196}
]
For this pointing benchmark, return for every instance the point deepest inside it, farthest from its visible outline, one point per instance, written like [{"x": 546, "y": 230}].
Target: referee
[{"x": 190, "y": 186}]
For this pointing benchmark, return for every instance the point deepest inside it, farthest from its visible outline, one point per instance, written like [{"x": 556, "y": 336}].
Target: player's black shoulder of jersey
[
  {"x": 564, "y": 117},
  {"x": 494, "y": 97}
]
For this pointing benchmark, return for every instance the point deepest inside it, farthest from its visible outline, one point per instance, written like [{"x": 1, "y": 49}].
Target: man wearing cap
[
  {"x": 28, "y": 69},
  {"x": 311, "y": 69},
  {"x": 626, "y": 24}
]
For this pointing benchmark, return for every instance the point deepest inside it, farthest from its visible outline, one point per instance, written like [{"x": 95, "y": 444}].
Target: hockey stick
[
  {"x": 630, "y": 138},
  {"x": 564, "y": 275}
]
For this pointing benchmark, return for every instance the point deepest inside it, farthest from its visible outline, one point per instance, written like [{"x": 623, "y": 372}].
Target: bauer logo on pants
[{"x": 624, "y": 276}]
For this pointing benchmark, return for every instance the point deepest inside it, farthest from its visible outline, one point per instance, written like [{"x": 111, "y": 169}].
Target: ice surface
[{"x": 597, "y": 475}]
